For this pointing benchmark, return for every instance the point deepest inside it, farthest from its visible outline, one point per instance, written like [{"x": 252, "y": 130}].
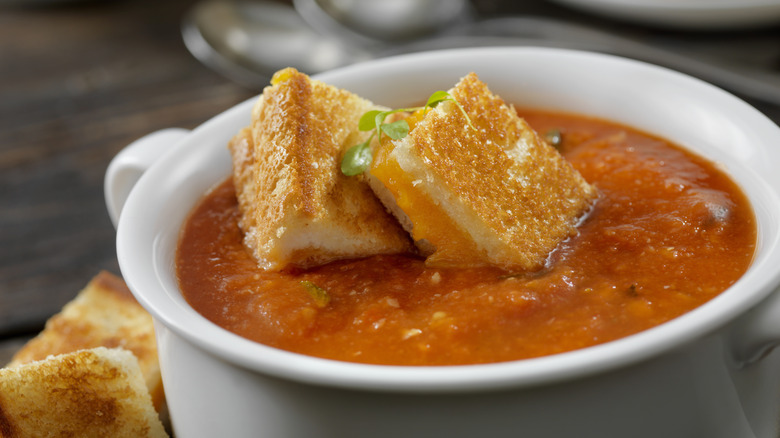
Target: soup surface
[{"x": 669, "y": 232}]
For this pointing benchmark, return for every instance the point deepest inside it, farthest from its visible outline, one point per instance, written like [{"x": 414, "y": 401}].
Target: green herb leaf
[
  {"x": 357, "y": 159},
  {"x": 554, "y": 137},
  {"x": 368, "y": 120},
  {"x": 320, "y": 295},
  {"x": 396, "y": 130},
  {"x": 378, "y": 120},
  {"x": 442, "y": 96},
  {"x": 437, "y": 97}
]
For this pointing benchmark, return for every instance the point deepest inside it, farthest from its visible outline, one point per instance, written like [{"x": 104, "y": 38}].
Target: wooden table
[{"x": 78, "y": 82}]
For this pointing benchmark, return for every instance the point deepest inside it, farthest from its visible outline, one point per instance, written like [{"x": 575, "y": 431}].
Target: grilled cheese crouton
[
  {"x": 297, "y": 208},
  {"x": 106, "y": 314},
  {"x": 89, "y": 393},
  {"x": 494, "y": 194}
]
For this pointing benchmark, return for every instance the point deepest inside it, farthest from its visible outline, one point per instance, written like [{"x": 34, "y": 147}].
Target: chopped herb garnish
[
  {"x": 320, "y": 295},
  {"x": 396, "y": 130},
  {"x": 357, "y": 158},
  {"x": 554, "y": 137},
  {"x": 526, "y": 274}
]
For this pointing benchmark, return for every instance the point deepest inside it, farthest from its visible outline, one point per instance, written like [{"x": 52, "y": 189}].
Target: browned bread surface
[
  {"x": 106, "y": 314},
  {"x": 495, "y": 195},
  {"x": 89, "y": 393},
  {"x": 297, "y": 207}
]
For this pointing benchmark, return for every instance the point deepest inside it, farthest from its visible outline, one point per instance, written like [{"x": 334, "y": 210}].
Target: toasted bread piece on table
[
  {"x": 297, "y": 208},
  {"x": 106, "y": 314},
  {"x": 493, "y": 195},
  {"x": 89, "y": 393}
]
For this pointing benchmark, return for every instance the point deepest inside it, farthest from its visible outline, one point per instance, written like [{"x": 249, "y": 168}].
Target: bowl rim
[{"x": 144, "y": 275}]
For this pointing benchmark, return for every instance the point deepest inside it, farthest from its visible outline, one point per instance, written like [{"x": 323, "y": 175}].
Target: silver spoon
[
  {"x": 248, "y": 41},
  {"x": 379, "y": 22}
]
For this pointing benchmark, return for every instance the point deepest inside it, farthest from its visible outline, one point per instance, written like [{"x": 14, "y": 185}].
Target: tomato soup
[{"x": 669, "y": 232}]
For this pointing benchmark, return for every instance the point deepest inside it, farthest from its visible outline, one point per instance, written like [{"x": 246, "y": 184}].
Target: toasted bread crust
[
  {"x": 89, "y": 393},
  {"x": 505, "y": 188},
  {"x": 104, "y": 313},
  {"x": 297, "y": 207}
]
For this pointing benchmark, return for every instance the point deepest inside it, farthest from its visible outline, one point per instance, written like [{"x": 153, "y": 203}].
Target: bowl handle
[
  {"x": 131, "y": 162},
  {"x": 757, "y": 332}
]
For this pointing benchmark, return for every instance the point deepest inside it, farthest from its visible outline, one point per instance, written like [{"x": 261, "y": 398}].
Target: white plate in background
[{"x": 686, "y": 14}]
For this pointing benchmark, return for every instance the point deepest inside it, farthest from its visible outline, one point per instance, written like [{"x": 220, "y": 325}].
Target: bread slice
[
  {"x": 106, "y": 314},
  {"x": 297, "y": 208},
  {"x": 493, "y": 195},
  {"x": 89, "y": 393}
]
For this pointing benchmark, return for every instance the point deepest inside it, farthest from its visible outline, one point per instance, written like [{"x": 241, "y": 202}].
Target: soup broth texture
[{"x": 669, "y": 232}]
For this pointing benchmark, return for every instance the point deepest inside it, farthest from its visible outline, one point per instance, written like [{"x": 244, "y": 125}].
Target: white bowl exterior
[
  {"x": 688, "y": 392},
  {"x": 692, "y": 113}
]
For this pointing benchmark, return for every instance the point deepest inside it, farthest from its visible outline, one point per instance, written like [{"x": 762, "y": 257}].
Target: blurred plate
[{"x": 686, "y": 14}]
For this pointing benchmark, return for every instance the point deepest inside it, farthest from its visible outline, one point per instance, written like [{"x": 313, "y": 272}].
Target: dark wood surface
[{"x": 78, "y": 82}]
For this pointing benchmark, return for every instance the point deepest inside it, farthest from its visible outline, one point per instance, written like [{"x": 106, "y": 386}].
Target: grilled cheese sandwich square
[
  {"x": 479, "y": 191},
  {"x": 97, "y": 392},
  {"x": 297, "y": 208},
  {"x": 103, "y": 314}
]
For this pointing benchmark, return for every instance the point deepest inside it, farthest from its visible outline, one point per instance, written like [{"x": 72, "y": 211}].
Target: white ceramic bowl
[{"x": 708, "y": 373}]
